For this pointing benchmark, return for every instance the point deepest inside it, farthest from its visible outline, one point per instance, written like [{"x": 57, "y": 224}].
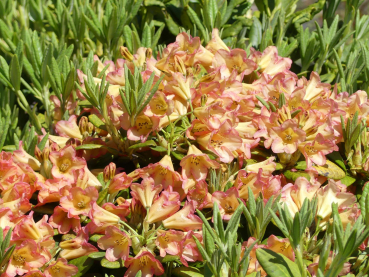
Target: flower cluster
[{"x": 222, "y": 123}]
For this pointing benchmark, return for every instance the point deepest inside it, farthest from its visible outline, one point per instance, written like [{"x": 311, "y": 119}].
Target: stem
[
  {"x": 299, "y": 261},
  {"x": 129, "y": 227}
]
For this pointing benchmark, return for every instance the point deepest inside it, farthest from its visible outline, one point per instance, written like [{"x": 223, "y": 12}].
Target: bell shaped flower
[
  {"x": 63, "y": 223},
  {"x": 68, "y": 129},
  {"x": 222, "y": 142},
  {"x": 162, "y": 173},
  {"x": 144, "y": 262},
  {"x": 316, "y": 150},
  {"x": 227, "y": 202},
  {"x": 21, "y": 156},
  {"x": 164, "y": 206},
  {"x": 65, "y": 162},
  {"x": 216, "y": 43},
  {"x": 25, "y": 257},
  {"x": 287, "y": 137},
  {"x": 169, "y": 242},
  {"x": 235, "y": 59},
  {"x": 79, "y": 201},
  {"x": 332, "y": 193},
  {"x": 184, "y": 220},
  {"x": 282, "y": 246},
  {"x": 190, "y": 251},
  {"x": 60, "y": 267},
  {"x": 101, "y": 217},
  {"x": 146, "y": 191},
  {"x": 116, "y": 243},
  {"x": 196, "y": 164},
  {"x": 76, "y": 247},
  {"x": 200, "y": 195}
]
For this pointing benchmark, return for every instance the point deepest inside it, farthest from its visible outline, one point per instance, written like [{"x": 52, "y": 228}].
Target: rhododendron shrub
[{"x": 202, "y": 159}]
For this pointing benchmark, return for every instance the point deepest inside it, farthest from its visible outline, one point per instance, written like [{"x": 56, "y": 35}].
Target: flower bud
[
  {"x": 83, "y": 122},
  {"x": 126, "y": 54},
  {"x": 109, "y": 172}
]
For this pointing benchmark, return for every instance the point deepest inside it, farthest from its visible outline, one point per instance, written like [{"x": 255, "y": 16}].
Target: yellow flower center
[
  {"x": 165, "y": 237},
  {"x": 216, "y": 143},
  {"x": 55, "y": 268},
  {"x": 288, "y": 137},
  {"x": 163, "y": 170},
  {"x": 144, "y": 261},
  {"x": 143, "y": 123},
  {"x": 120, "y": 241},
  {"x": 284, "y": 246},
  {"x": 311, "y": 149},
  {"x": 228, "y": 209},
  {"x": 64, "y": 165},
  {"x": 195, "y": 160},
  {"x": 19, "y": 259},
  {"x": 81, "y": 204}
]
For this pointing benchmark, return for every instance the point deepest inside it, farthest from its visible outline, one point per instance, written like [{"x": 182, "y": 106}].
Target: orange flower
[
  {"x": 25, "y": 257},
  {"x": 227, "y": 202},
  {"x": 60, "y": 267},
  {"x": 146, "y": 191},
  {"x": 144, "y": 261},
  {"x": 116, "y": 243},
  {"x": 79, "y": 201},
  {"x": 196, "y": 164},
  {"x": 77, "y": 247},
  {"x": 167, "y": 204},
  {"x": 169, "y": 242},
  {"x": 184, "y": 220},
  {"x": 65, "y": 162}
]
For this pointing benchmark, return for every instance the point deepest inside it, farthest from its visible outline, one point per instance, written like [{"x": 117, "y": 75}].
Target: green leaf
[
  {"x": 293, "y": 175},
  {"x": 348, "y": 180},
  {"x": 95, "y": 238},
  {"x": 187, "y": 272},
  {"x": 117, "y": 264},
  {"x": 337, "y": 158},
  {"x": 255, "y": 33},
  {"x": 97, "y": 122},
  {"x": 102, "y": 196},
  {"x": 14, "y": 73},
  {"x": 43, "y": 142},
  {"x": 89, "y": 146},
  {"x": 276, "y": 265},
  {"x": 83, "y": 264},
  {"x": 143, "y": 144},
  {"x": 97, "y": 255},
  {"x": 159, "y": 149}
]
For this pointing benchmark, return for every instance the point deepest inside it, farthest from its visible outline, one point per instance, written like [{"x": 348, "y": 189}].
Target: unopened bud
[
  {"x": 148, "y": 53},
  {"x": 189, "y": 71},
  {"x": 38, "y": 154},
  {"x": 179, "y": 66},
  {"x": 204, "y": 99},
  {"x": 90, "y": 128},
  {"x": 120, "y": 201},
  {"x": 83, "y": 122},
  {"x": 45, "y": 154},
  {"x": 126, "y": 54},
  {"x": 109, "y": 172}
]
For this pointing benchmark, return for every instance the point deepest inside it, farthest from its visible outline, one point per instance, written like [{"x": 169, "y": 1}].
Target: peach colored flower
[
  {"x": 79, "y": 201},
  {"x": 164, "y": 206},
  {"x": 102, "y": 217},
  {"x": 287, "y": 137},
  {"x": 227, "y": 202},
  {"x": 196, "y": 164},
  {"x": 144, "y": 261},
  {"x": 190, "y": 252},
  {"x": 116, "y": 243},
  {"x": 65, "y": 162},
  {"x": 68, "y": 129},
  {"x": 222, "y": 142},
  {"x": 163, "y": 173},
  {"x": 282, "y": 246},
  {"x": 77, "y": 247},
  {"x": 25, "y": 257},
  {"x": 146, "y": 191},
  {"x": 199, "y": 195},
  {"x": 168, "y": 242},
  {"x": 21, "y": 156},
  {"x": 60, "y": 267},
  {"x": 63, "y": 223},
  {"x": 315, "y": 151},
  {"x": 184, "y": 220}
]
